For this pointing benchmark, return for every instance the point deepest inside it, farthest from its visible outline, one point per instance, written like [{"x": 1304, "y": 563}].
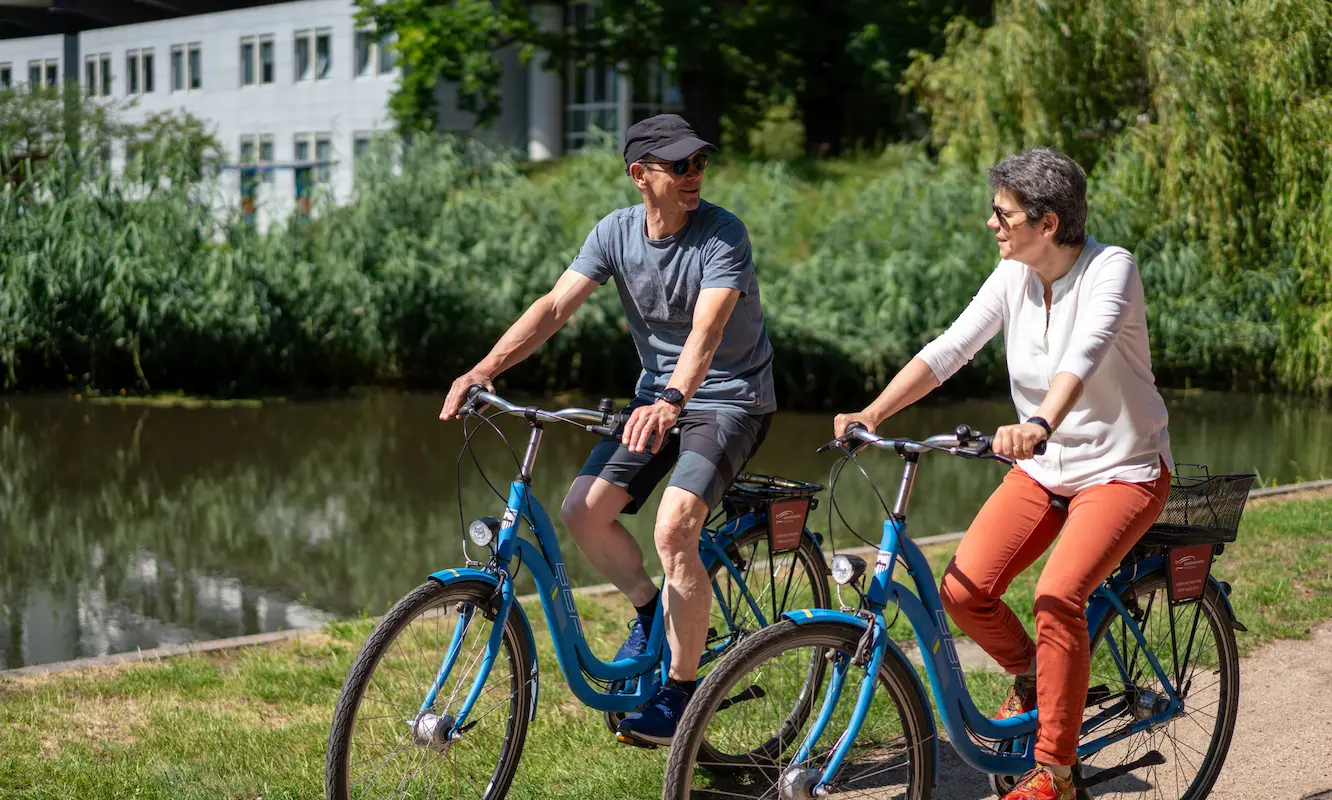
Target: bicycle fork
[
  {"x": 435, "y": 730},
  {"x": 800, "y": 783}
]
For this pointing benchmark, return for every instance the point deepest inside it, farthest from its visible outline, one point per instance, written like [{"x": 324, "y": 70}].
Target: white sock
[{"x": 1060, "y": 771}]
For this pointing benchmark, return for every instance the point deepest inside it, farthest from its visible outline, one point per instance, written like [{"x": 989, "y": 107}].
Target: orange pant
[{"x": 1014, "y": 527}]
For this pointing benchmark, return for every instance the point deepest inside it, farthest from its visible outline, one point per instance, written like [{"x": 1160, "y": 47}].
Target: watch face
[{"x": 673, "y": 396}]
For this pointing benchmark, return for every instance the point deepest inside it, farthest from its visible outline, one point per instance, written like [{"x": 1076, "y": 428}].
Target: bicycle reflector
[
  {"x": 846, "y": 569},
  {"x": 482, "y": 531}
]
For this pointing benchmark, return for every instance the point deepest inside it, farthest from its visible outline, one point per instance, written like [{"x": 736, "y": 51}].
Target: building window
[
  {"x": 314, "y": 165},
  {"x": 314, "y": 55},
  {"x": 592, "y": 93},
  {"x": 39, "y": 68},
  {"x": 138, "y": 71},
  {"x": 374, "y": 54},
  {"x": 177, "y": 68},
  {"x": 256, "y": 55},
  {"x": 6, "y": 76},
  {"x": 97, "y": 75},
  {"x": 195, "y": 54},
  {"x": 249, "y": 178},
  {"x": 266, "y": 158},
  {"x": 53, "y": 72}
]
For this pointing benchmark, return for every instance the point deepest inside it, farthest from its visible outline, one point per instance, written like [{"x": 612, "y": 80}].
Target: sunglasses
[
  {"x": 1002, "y": 215},
  {"x": 681, "y": 167}
]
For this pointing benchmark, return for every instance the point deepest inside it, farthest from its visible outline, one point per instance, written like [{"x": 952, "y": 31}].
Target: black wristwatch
[
  {"x": 1041, "y": 421},
  {"x": 673, "y": 396}
]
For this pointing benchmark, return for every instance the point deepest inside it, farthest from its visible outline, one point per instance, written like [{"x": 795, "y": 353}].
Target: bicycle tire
[
  {"x": 1217, "y": 616},
  {"x": 808, "y": 554},
  {"x": 515, "y": 650},
  {"x": 896, "y": 683}
]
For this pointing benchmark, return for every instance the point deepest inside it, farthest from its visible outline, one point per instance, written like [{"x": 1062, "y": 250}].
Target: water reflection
[{"x": 132, "y": 527}]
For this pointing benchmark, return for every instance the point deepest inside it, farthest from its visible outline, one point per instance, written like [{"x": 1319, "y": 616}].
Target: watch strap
[{"x": 1041, "y": 421}]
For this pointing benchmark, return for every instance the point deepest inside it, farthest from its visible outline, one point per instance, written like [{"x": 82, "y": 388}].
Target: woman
[{"x": 1075, "y": 331}]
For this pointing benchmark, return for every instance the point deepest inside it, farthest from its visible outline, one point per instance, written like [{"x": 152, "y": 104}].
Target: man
[{"x": 686, "y": 279}]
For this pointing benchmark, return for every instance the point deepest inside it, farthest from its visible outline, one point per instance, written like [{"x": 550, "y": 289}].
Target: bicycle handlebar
[
  {"x": 962, "y": 442},
  {"x": 603, "y": 421}
]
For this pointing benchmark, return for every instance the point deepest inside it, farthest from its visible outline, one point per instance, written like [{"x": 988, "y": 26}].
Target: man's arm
[
  {"x": 537, "y": 324},
  {"x": 711, "y": 313}
]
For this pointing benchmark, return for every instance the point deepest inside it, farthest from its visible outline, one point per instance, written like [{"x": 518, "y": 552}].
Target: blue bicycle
[
  {"x": 1159, "y": 715},
  {"x": 438, "y": 700}
]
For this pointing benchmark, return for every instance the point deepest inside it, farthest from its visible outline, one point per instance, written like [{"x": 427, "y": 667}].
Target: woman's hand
[
  {"x": 841, "y": 421},
  {"x": 1017, "y": 441}
]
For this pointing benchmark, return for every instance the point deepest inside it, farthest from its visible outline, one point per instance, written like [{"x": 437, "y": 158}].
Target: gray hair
[{"x": 1046, "y": 181}]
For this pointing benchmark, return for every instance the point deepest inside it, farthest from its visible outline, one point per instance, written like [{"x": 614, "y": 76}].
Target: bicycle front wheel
[
  {"x": 1182, "y": 757},
  {"x": 746, "y": 706},
  {"x": 382, "y": 745}
]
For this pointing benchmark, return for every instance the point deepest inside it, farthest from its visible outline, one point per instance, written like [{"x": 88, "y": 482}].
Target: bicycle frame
[
  {"x": 546, "y": 564},
  {"x": 929, "y": 622}
]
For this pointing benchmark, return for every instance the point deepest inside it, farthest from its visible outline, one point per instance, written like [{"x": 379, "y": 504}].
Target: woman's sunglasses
[{"x": 681, "y": 167}]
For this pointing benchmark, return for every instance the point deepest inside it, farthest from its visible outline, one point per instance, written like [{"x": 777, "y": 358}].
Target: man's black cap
[{"x": 665, "y": 136}]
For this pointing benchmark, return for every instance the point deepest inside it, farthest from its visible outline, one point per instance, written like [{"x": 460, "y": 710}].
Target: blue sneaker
[
  {"x": 636, "y": 644},
  {"x": 655, "y": 721}
]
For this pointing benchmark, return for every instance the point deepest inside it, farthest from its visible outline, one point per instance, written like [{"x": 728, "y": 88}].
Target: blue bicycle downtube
[
  {"x": 459, "y": 631},
  {"x": 492, "y": 649},
  {"x": 863, "y": 699},
  {"x": 830, "y": 700}
]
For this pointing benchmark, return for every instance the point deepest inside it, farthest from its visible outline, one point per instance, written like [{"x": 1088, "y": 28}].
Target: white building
[{"x": 294, "y": 86}]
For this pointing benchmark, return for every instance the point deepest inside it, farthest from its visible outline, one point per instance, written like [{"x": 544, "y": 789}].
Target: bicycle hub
[
  {"x": 797, "y": 784},
  {"x": 432, "y": 731}
]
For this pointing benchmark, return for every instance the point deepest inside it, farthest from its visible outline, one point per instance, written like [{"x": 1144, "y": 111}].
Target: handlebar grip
[
  {"x": 474, "y": 390},
  {"x": 852, "y": 427},
  {"x": 1039, "y": 449}
]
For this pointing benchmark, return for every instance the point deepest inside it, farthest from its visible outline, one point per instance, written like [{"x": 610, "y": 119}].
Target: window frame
[{"x": 6, "y": 75}]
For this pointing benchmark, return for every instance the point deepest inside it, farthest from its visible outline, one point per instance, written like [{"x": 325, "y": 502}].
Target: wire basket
[
  {"x": 1201, "y": 509},
  {"x": 750, "y": 490}
]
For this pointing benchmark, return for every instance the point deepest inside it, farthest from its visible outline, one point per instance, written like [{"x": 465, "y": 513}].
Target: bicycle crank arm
[{"x": 1152, "y": 759}]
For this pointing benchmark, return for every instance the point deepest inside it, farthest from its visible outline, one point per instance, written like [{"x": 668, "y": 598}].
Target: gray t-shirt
[{"x": 659, "y": 281}]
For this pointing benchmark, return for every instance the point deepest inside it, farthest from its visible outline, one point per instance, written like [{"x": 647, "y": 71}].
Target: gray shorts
[{"x": 709, "y": 452}]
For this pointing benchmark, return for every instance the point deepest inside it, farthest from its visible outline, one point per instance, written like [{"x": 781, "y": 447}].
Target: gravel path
[{"x": 1282, "y": 749}]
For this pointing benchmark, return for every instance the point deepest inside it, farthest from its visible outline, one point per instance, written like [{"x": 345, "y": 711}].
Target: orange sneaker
[
  {"x": 1042, "y": 784},
  {"x": 1021, "y": 698}
]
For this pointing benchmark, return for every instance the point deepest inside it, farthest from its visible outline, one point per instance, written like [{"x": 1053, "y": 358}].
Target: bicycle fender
[
  {"x": 464, "y": 574},
  {"x": 1222, "y": 590},
  {"x": 804, "y": 616}
]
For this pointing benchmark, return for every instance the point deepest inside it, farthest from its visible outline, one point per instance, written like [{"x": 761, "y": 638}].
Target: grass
[{"x": 253, "y": 723}]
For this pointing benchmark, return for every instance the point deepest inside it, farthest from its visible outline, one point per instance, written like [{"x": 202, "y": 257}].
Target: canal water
[{"x": 125, "y": 526}]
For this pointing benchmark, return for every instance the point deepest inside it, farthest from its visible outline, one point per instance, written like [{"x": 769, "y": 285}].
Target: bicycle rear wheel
[
  {"x": 775, "y": 583},
  {"x": 892, "y": 756},
  {"x": 380, "y": 745},
  {"x": 1181, "y": 758}
]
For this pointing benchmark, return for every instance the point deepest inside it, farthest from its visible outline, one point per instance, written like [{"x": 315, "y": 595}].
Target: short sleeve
[
  {"x": 729, "y": 260},
  {"x": 592, "y": 261}
]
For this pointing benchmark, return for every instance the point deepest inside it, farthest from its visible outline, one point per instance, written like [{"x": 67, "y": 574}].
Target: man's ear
[{"x": 636, "y": 171}]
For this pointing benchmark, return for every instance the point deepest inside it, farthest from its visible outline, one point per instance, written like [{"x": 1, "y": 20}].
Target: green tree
[
  {"x": 1205, "y": 123},
  {"x": 842, "y": 62}
]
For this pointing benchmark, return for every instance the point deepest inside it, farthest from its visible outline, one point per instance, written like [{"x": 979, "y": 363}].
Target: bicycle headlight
[
  {"x": 482, "y": 531},
  {"x": 846, "y": 569}
]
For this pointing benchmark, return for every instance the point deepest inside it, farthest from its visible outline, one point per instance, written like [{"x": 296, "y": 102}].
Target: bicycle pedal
[{"x": 629, "y": 740}]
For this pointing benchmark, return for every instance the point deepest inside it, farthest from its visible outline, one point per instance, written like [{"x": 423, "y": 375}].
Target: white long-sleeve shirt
[{"x": 1098, "y": 332}]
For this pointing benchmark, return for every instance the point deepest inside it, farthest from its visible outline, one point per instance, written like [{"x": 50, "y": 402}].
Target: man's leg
[
  {"x": 589, "y": 512},
  {"x": 687, "y": 595}
]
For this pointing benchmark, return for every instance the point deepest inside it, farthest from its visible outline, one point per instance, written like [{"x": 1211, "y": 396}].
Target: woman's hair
[{"x": 1046, "y": 181}]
